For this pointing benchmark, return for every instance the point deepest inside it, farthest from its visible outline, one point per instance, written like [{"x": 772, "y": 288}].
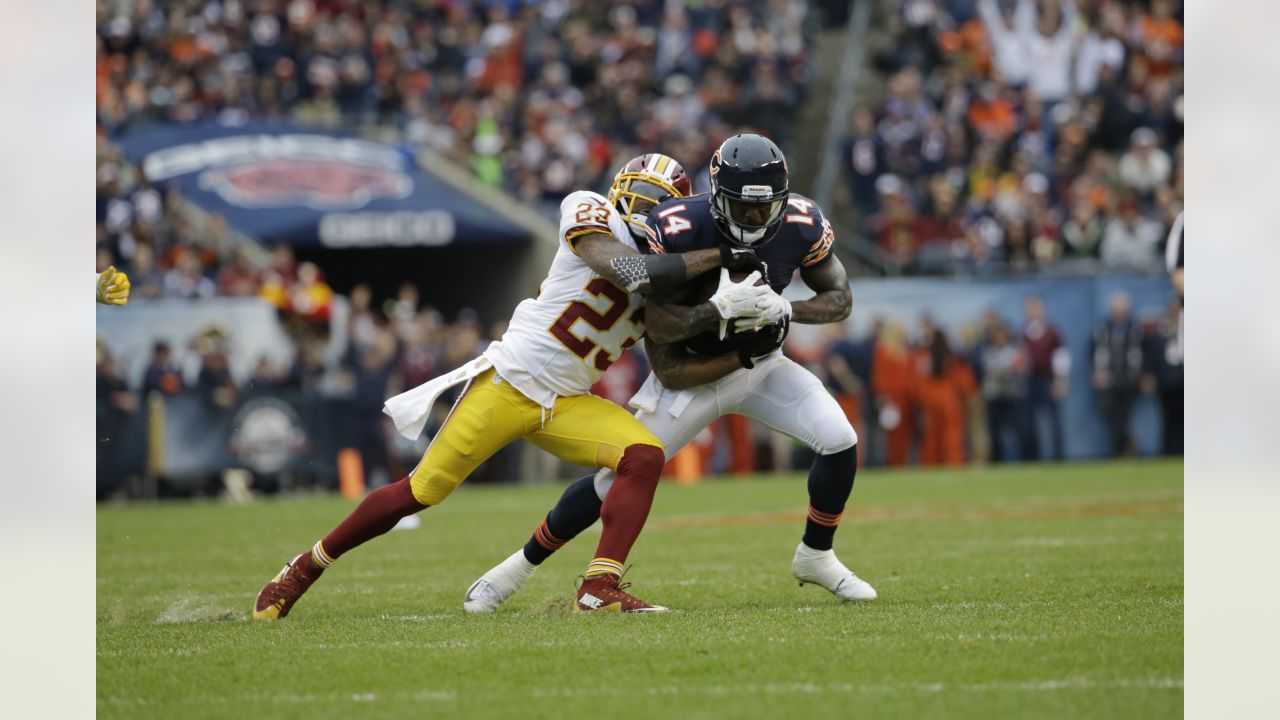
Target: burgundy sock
[
  {"x": 627, "y": 505},
  {"x": 375, "y": 515}
]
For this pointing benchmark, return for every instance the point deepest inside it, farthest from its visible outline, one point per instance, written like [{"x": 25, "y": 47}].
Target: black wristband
[{"x": 666, "y": 272}]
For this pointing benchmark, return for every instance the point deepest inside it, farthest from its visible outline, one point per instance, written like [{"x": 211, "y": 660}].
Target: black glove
[
  {"x": 752, "y": 344},
  {"x": 742, "y": 260}
]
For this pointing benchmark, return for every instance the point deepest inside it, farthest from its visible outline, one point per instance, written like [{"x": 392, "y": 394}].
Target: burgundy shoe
[
  {"x": 277, "y": 598},
  {"x": 604, "y": 593}
]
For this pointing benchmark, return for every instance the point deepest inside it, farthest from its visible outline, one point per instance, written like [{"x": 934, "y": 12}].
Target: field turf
[{"x": 1015, "y": 592}]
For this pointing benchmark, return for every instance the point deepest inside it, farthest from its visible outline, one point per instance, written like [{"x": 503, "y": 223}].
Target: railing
[{"x": 851, "y": 65}]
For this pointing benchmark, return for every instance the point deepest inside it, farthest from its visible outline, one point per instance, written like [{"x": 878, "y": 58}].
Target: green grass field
[{"x": 1022, "y": 592}]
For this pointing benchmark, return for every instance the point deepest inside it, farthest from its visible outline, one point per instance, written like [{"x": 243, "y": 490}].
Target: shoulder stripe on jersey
[
  {"x": 656, "y": 248},
  {"x": 582, "y": 228},
  {"x": 823, "y": 243},
  {"x": 820, "y": 249},
  {"x": 574, "y": 233},
  {"x": 810, "y": 262}
]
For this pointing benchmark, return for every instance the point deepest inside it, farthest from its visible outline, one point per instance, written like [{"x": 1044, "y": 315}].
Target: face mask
[{"x": 747, "y": 237}]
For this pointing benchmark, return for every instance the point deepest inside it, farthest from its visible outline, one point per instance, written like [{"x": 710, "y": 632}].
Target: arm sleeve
[
  {"x": 1067, "y": 29},
  {"x": 991, "y": 19},
  {"x": 1024, "y": 17}
]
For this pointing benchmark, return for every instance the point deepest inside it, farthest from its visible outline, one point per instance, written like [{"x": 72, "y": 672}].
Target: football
[
  {"x": 700, "y": 290},
  {"x": 704, "y": 286}
]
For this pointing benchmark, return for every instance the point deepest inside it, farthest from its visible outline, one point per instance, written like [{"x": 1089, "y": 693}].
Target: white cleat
[
  {"x": 821, "y": 567},
  {"x": 494, "y": 587}
]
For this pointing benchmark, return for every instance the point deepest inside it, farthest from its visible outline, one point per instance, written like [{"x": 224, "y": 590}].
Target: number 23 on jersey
[{"x": 583, "y": 347}]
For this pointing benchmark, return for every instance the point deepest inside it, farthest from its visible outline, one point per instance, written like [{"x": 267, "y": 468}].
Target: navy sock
[
  {"x": 830, "y": 482},
  {"x": 574, "y": 512}
]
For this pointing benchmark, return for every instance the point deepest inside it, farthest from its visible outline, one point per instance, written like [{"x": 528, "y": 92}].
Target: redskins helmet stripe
[{"x": 662, "y": 165}]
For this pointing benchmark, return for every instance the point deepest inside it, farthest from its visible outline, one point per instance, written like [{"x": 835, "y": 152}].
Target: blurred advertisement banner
[{"x": 283, "y": 183}]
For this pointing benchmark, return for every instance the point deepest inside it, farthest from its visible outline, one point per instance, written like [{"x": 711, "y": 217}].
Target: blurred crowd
[
  {"x": 388, "y": 347},
  {"x": 538, "y": 98},
  {"x": 1021, "y": 133},
  {"x": 169, "y": 253},
  {"x": 990, "y": 392},
  {"x": 994, "y": 390}
]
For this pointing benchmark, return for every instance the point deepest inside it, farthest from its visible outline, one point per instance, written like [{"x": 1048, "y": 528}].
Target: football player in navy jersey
[{"x": 734, "y": 367}]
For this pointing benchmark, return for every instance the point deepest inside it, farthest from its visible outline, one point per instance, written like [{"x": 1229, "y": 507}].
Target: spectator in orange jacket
[
  {"x": 946, "y": 387},
  {"x": 848, "y": 368},
  {"x": 893, "y": 380}
]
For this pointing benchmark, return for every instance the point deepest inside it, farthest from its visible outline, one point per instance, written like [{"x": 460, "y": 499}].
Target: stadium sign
[
  {"x": 283, "y": 183},
  {"x": 370, "y": 229},
  {"x": 267, "y": 435},
  {"x": 317, "y": 171}
]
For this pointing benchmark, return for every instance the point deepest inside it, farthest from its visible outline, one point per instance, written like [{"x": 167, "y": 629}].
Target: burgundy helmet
[{"x": 643, "y": 183}]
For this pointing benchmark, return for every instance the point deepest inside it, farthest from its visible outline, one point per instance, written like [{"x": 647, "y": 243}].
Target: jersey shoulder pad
[
  {"x": 674, "y": 222},
  {"x": 571, "y": 201},
  {"x": 584, "y": 212},
  {"x": 804, "y": 218}
]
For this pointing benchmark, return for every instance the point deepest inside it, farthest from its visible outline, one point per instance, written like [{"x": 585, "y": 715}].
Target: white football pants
[{"x": 777, "y": 392}]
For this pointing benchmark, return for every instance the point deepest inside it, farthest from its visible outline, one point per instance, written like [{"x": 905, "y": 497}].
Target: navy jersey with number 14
[
  {"x": 803, "y": 241},
  {"x": 686, "y": 224}
]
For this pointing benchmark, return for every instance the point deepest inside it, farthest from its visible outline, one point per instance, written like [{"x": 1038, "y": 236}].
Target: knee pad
[
  {"x": 643, "y": 462},
  {"x": 604, "y": 481},
  {"x": 431, "y": 486},
  {"x": 833, "y": 437}
]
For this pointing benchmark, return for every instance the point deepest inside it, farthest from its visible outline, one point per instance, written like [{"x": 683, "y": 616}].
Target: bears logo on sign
[{"x": 321, "y": 184}]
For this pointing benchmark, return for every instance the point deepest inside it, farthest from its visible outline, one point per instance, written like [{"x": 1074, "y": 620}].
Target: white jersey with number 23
[{"x": 561, "y": 342}]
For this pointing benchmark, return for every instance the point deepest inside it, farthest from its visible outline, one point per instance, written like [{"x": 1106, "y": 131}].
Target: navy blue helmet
[{"x": 749, "y": 189}]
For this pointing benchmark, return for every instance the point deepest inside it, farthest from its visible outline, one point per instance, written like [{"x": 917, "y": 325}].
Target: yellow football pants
[{"x": 581, "y": 430}]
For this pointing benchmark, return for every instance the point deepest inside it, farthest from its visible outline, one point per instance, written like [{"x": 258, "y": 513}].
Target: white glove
[
  {"x": 771, "y": 309},
  {"x": 738, "y": 300}
]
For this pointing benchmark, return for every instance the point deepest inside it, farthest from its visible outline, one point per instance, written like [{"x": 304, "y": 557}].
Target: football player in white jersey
[{"x": 534, "y": 383}]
